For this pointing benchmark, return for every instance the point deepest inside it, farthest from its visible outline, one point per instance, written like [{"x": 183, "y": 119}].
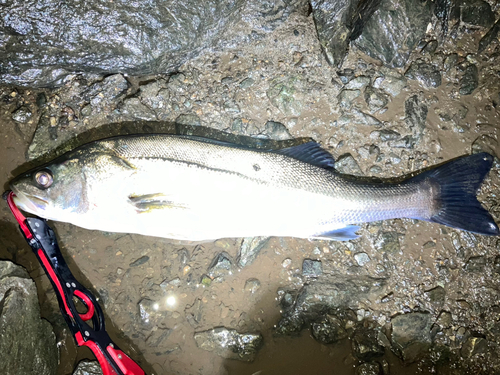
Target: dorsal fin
[{"x": 310, "y": 152}]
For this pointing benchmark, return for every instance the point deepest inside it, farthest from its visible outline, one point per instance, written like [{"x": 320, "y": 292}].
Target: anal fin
[{"x": 342, "y": 234}]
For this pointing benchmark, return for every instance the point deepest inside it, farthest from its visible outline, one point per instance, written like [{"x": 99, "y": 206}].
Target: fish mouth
[{"x": 29, "y": 203}]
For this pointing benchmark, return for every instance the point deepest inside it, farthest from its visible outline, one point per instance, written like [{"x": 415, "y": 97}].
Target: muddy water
[{"x": 128, "y": 272}]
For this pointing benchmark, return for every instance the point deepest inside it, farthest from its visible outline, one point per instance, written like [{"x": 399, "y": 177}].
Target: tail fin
[{"x": 458, "y": 206}]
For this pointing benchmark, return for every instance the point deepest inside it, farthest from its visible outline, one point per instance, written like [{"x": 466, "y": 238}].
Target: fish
[{"x": 197, "y": 189}]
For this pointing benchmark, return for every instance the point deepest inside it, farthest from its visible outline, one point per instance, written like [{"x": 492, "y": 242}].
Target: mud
[{"x": 425, "y": 267}]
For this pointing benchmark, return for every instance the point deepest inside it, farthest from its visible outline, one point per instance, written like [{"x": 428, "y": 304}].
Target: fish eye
[{"x": 44, "y": 178}]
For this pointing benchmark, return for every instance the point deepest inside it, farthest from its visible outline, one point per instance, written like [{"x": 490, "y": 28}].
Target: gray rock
[
  {"x": 132, "y": 38},
  {"x": 88, "y": 368},
  {"x": 228, "y": 343},
  {"x": 22, "y": 115},
  {"x": 476, "y": 264},
  {"x": 358, "y": 83},
  {"x": 411, "y": 335},
  {"x": 361, "y": 258},
  {"x": 392, "y": 83},
  {"x": 474, "y": 12},
  {"x": 470, "y": 80},
  {"x": 339, "y": 22},
  {"x": 356, "y": 117},
  {"x": 281, "y": 93},
  {"x": 392, "y": 32},
  {"x": 489, "y": 36},
  {"x": 388, "y": 242},
  {"x": 496, "y": 264},
  {"x": 430, "y": 47},
  {"x": 473, "y": 346},
  {"x": 188, "y": 119},
  {"x": 312, "y": 268},
  {"x": 375, "y": 99},
  {"x": 252, "y": 285},
  {"x": 485, "y": 143},
  {"x": 347, "y": 164},
  {"x": 346, "y": 75},
  {"x": 346, "y": 97},
  {"x": 437, "y": 295},
  {"x": 221, "y": 266},
  {"x": 249, "y": 249},
  {"x": 328, "y": 330},
  {"x": 388, "y": 135},
  {"x": 135, "y": 109},
  {"x": 140, "y": 261},
  {"x": 246, "y": 83},
  {"x": 27, "y": 344},
  {"x": 450, "y": 61},
  {"x": 276, "y": 130},
  {"x": 365, "y": 345},
  {"x": 342, "y": 292},
  {"x": 372, "y": 368},
  {"x": 427, "y": 74},
  {"x": 416, "y": 113}
]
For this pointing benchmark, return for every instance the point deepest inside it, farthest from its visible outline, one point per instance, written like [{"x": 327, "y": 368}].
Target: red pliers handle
[{"x": 43, "y": 241}]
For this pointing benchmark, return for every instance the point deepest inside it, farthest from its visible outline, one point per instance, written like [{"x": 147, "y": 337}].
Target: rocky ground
[{"x": 406, "y": 297}]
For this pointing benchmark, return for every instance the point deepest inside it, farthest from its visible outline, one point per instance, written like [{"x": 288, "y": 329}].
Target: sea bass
[{"x": 192, "y": 188}]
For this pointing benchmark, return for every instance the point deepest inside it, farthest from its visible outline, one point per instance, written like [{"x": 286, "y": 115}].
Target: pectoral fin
[{"x": 148, "y": 202}]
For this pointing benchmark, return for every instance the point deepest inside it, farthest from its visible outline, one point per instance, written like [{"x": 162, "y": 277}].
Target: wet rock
[
  {"x": 156, "y": 338},
  {"x": 135, "y": 109},
  {"x": 231, "y": 106},
  {"x": 133, "y": 38},
  {"x": 392, "y": 32},
  {"x": 329, "y": 329},
  {"x": 427, "y": 74},
  {"x": 249, "y": 249},
  {"x": 450, "y": 61},
  {"x": 346, "y": 75},
  {"x": 246, "y": 83},
  {"x": 346, "y": 164},
  {"x": 276, "y": 130},
  {"x": 372, "y": 368},
  {"x": 416, "y": 113},
  {"x": 150, "y": 312},
  {"x": 228, "y": 343},
  {"x": 405, "y": 142},
  {"x": 105, "y": 94},
  {"x": 88, "y": 368},
  {"x": 361, "y": 258},
  {"x": 140, "y": 261},
  {"x": 22, "y": 115},
  {"x": 496, "y": 264},
  {"x": 290, "y": 324},
  {"x": 430, "y": 47},
  {"x": 411, "y": 336},
  {"x": 342, "y": 292},
  {"x": 388, "y": 242},
  {"x": 356, "y": 117},
  {"x": 358, "y": 83},
  {"x": 365, "y": 345},
  {"x": 252, "y": 285},
  {"x": 444, "y": 319},
  {"x": 436, "y": 295},
  {"x": 489, "y": 37},
  {"x": 188, "y": 119},
  {"x": 337, "y": 23},
  {"x": 281, "y": 93},
  {"x": 476, "y": 264},
  {"x": 473, "y": 346},
  {"x": 470, "y": 80},
  {"x": 387, "y": 135},
  {"x": 485, "y": 143},
  {"x": 221, "y": 267},
  {"x": 391, "y": 82},
  {"x": 27, "y": 344},
  {"x": 311, "y": 268},
  {"x": 474, "y": 12},
  {"x": 375, "y": 99},
  {"x": 346, "y": 97}
]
